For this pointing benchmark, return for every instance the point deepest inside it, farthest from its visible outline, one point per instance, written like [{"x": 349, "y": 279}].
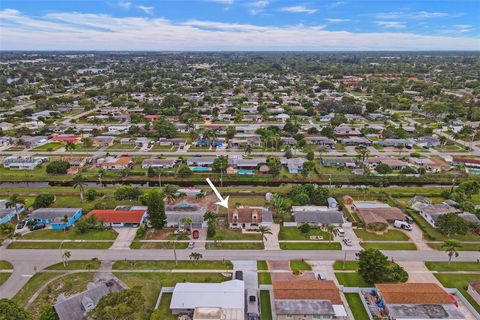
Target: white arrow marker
[{"x": 222, "y": 202}]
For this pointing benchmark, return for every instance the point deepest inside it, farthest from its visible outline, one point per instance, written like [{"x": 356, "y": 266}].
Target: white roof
[
  {"x": 225, "y": 295},
  {"x": 339, "y": 310},
  {"x": 370, "y": 204}
]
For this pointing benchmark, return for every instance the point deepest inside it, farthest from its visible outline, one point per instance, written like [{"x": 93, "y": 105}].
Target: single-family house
[
  {"x": 356, "y": 141},
  {"x": 7, "y": 212},
  {"x": 346, "y": 130},
  {"x": 249, "y": 218},
  {"x": 177, "y": 212},
  {"x": 339, "y": 162},
  {"x": 393, "y": 163},
  {"x": 406, "y": 301},
  {"x": 56, "y": 218},
  {"x": 225, "y": 300},
  {"x": 473, "y": 290},
  {"x": 317, "y": 215},
  {"x": 375, "y": 212},
  {"x": 128, "y": 216},
  {"x": 431, "y": 212},
  {"x": 77, "y": 306},
  {"x": 117, "y": 163},
  {"x": 307, "y": 300},
  {"x": 103, "y": 141},
  {"x": 22, "y": 163},
  {"x": 321, "y": 141},
  {"x": 166, "y": 163},
  {"x": 294, "y": 165},
  {"x": 200, "y": 163}
]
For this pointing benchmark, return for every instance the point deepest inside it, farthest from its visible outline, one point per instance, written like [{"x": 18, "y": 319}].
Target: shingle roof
[
  {"x": 413, "y": 293},
  {"x": 306, "y": 290},
  {"x": 324, "y": 217},
  {"x": 118, "y": 216},
  {"x": 52, "y": 213}
]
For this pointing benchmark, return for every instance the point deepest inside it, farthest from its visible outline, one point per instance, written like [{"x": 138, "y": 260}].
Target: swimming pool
[
  {"x": 200, "y": 169},
  {"x": 242, "y": 171}
]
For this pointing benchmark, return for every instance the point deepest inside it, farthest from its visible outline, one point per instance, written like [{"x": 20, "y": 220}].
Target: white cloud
[
  {"x": 336, "y": 20},
  {"x": 258, "y": 6},
  {"x": 298, "y": 9},
  {"x": 391, "y": 24},
  {"x": 147, "y": 10},
  {"x": 420, "y": 15},
  {"x": 78, "y": 31},
  {"x": 124, "y": 4},
  {"x": 222, "y": 1},
  {"x": 464, "y": 27}
]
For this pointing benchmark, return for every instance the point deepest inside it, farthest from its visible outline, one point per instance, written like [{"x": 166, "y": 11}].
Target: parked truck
[{"x": 402, "y": 225}]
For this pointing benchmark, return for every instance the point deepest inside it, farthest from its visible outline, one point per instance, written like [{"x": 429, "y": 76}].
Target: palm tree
[
  {"x": 195, "y": 256},
  {"x": 79, "y": 182},
  {"x": 70, "y": 146},
  {"x": 187, "y": 221},
  {"x": 451, "y": 246},
  {"x": 170, "y": 193},
  {"x": 362, "y": 152},
  {"x": 278, "y": 204},
  {"x": 13, "y": 202},
  {"x": 101, "y": 172},
  {"x": 65, "y": 221},
  {"x": 176, "y": 237},
  {"x": 321, "y": 151},
  {"x": 248, "y": 149},
  {"x": 264, "y": 230},
  {"x": 65, "y": 256},
  {"x": 331, "y": 231}
]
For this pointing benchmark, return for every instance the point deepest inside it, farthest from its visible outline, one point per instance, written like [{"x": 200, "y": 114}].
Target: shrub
[
  {"x": 58, "y": 167},
  {"x": 305, "y": 228},
  {"x": 43, "y": 200}
]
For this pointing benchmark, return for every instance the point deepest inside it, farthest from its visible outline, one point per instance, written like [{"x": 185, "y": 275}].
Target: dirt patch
[
  {"x": 278, "y": 265},
  {"x": 161, "y": 234},
  {"x": 281, "y": 276},
  {"x": 206, "y": 202}
]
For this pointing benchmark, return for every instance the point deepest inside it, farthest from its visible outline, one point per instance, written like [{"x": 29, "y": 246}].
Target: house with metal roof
[{"x": 57, "y": 218}]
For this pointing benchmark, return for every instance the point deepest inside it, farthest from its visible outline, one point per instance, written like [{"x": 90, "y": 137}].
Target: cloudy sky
[{"x": 239, "y": 25}]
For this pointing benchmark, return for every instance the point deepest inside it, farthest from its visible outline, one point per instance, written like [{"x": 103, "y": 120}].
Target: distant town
[{"x": 240, "y": 185}]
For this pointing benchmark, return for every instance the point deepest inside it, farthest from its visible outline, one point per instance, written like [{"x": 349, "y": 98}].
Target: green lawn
[
  {"x": 4, "y": 277},
  {"x": 390, "y": 235},
  {"x": 310, "y": 245},
  {"x": 32, "y": 286},
  {"x": 356, "y": 305},
  {"x": 51, "y": 146},
  {"x": 163, "y": 312},
  {"x": 345, "y": 265},
  {"x": 262, "y": 265},
  {"x": 295, "y": 234},
  {"x": 453, "y": 266},
  {"x": 264, "y": 278},
  {"x": 389, "y": 246},
  {"x": 50, "y": 234},
  {"x": 77, "y": 265},
  {"x": 350, "y": 279},
  {"x": 265, "y": 305},
  {"x": 56, "y": 245},
  {"x": 299, "y": 265},
  {"x": 168, "y": 265},
  {"x": 459, "y": 281},
  {"x": 151, "y": 282},
  {"x": 229, "y": 234},
  {"x": 158, "y": 245},
  {"x": 235, "y": 246},
  {"x": 5, "y": 265},
  {"x": 465, "y": 247}
]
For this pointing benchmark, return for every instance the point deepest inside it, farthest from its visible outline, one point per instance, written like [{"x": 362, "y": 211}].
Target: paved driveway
[
  {"x": 124, "y": 238},
  {"x": 417, "y": 236},
  {"x": 249, "y": 269},
  {"x": 417, "y": 272},
  {"x": 271, "y": 242}
]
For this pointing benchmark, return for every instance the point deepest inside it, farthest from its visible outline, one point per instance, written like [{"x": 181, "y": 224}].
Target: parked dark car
[
  {"x": 21, "y": 224},
  {"x": 37, "y": 226},
  {"x": 239, "y": 275}
]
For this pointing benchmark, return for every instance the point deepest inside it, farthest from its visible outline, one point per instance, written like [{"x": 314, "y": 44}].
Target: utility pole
[{"x": 159, "y": 179}]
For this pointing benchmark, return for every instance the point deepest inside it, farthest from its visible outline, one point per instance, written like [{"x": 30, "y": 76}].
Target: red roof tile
[{"x": 118, "y": 216}]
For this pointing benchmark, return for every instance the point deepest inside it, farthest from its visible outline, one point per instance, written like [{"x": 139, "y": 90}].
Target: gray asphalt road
[{"x": 26, "y": 260}]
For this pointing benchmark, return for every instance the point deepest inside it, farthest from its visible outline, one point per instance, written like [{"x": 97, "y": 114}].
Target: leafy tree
[
  {"x": 274, "y": 164},
  {"x": 304, "y": 228},
  {"x": 288, "y": 153},
  {"x": 195, "y": 256},
  {"x": 450, "y": 224},
  {"x": 211, "y": 219},
  {"x": 231, "y": 131},
  {"x": 127, "y": 193},
  {"x": 310, "y": 155},
  {"x": 165, "y": 129},
  {"x": 408, "y": 170},
  {"x": 184, "y": 171},
  {"x": 156, "y": 208},
  {"x": 172, "y": 101},
  {"x": 43, "y": 200},
  {"x": 170, "y": 192},
  {"x": 91, "y": 194},
  {"x": 9, "y": 310},
  {"x": 279, "y": 204},
  {"x": 151, "y": 172},
  {"x": 451, "y": 246},
  {"x": 469, "y": 188},
  {"x": 362, "y": 153},
  {"x": 382, "y": 168},
  {"x": 374, "y": 267},
  {"x": 58, "y": 167},
  {"x": 123, "y": 305},
  {"x": 328, "y": 131},
  {"x": 330, "y": 228},
  {"x": 319, "y": 196},
  {"x": 48, "y": 313}
]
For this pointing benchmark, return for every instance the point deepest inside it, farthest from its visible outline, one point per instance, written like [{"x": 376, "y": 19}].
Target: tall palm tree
[
  {"x": 331, "y": 231},
  {"x": 101, "y": 172},
  {"x": 13, "y": 202},
  {"x": 195, "y": 256},
  {"x": 65, "y": 256},
  {"x": 264, "y": 230},
  {"x": 248, "y": 149},
  {"x": 65, "y": 220},
  {"x": 187, "y": 221},
  {"x": 278, "y": 204},
  {"x": 451, "y": 246},
  {"x": 176, "y": 237},
  {"x": 170, "y": 191},
  {"x": 79, "y": 182}
]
